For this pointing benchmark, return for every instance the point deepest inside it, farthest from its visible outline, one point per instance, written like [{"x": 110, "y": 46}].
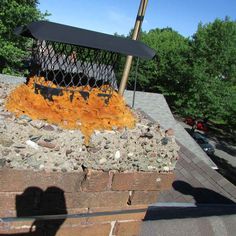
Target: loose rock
[
  {"x": 102, "y": 160},
  {"x": 25, "y": 117},
  {"x": 124, "y": 136},
  {"x": 63, "y": 169},
  {"x": 37, "y": 124},
  {"x": 68, "y": 151},
  {"x": 94, "y": 149},
  {"x": 147, "y": 135},
  {"x": 130, "y": 154},
  {"x": 32, "y": 144},
  {"x": 50, "y": 145},
  {"x": 117, "y": 155},
  {"x": 35, "y": 138},
  {"x": 41, "y": 167},
  {"x": 148, "y": 148},
  {"x": 166, "y": 168},
  {"x": 48, "y": 128},
  {"x": 169, "y": 132},
  {"x": 6, "y": 142},
  {"x": 20, "y": 146},
  {"x": 1, "y": 101},
  {"x": 164, "y": 141},
  {"x": 2, "y": 162},
  {"x": 6, "y": 152}
]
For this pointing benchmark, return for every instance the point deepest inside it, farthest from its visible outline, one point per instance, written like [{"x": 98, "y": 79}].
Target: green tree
[
  {"x": 13, "y": 49},
  {"x": 168, "y": 72},
  {"x": 212, "y": 90},
  {"x": 215, "y": 45}
]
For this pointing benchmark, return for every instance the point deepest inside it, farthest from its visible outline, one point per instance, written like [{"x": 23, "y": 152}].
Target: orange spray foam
[{"x": 86, "y": 115}]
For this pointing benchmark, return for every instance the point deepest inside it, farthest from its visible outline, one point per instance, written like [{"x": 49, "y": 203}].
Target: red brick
[
  {"x": 10, "y": 228},
  {"x": 69, "y": 202},
  {"x": 72, "y": 222},
  {"x": 7, "y": 201},
  {"x": 74, "y": 228},
  {"x": 127, "y": 228},
  {"x": 19, "y": 232},
  {"x": 142, "y": 181},
  {"x": 88, "y": 230},
  {"x": 8, "y": 204},
  {"x": 7, "y": 213},
  {"x": 96, "y": 199},
  {"x": 18, "y": 180},
  {"x": 110, "y": 198},
  {"x": 25, "y": 226},
  {"x": 144, "y": 197},
  {"x": 96, "y": 181}
]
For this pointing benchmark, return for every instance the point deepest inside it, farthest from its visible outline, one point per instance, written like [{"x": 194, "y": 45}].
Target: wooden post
[{"x": 137, "y": 28}]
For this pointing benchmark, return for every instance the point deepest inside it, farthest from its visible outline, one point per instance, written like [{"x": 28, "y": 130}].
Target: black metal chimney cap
[{"x": 50, "y": 31}]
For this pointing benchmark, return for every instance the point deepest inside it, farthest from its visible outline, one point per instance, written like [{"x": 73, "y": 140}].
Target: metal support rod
[
  {"x": 135, "y": 82},
  {"x": 137, "y": 27}
]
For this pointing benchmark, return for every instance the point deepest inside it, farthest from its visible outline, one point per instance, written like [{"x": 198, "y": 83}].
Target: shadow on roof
[{"x": 207, "y": 203}]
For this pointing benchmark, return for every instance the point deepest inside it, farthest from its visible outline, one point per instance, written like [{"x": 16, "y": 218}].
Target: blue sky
[{"x": 110, "y": 16}]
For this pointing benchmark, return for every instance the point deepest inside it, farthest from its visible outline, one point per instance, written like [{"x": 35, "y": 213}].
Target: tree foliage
[
  {"x": 214, "y": 71},
  {"x": 13, "y": 49},
  {"x": 197, "y": 75}
]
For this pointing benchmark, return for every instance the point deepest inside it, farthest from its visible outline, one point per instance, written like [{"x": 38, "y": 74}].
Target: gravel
[{"x": 37, "y": 145}]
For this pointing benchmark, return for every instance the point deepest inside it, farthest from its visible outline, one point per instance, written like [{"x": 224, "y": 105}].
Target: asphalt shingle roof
[{"x": 192, "y": 170}]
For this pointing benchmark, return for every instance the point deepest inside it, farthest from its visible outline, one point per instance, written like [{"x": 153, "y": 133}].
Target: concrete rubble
[{"x": 37, "y": 145}]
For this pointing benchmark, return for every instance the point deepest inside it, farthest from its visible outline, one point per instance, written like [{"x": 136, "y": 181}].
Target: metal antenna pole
[
  {"x": 137, "y": 27},
  {"x": 135, "y": 82}
]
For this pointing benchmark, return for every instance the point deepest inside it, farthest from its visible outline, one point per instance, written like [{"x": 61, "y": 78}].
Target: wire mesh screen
[{"x": 60, "y": 67}]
